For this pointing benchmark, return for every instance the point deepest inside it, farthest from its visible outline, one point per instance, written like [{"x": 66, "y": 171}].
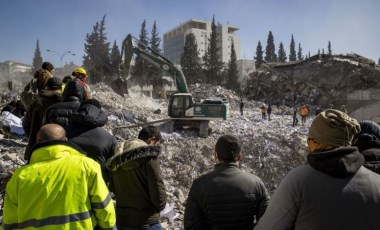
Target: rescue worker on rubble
[
  {"x": 303, "y": 113},
  {"x": 86, "y": 130},
  {"x": 60, "y": 188},
  {"x": 343, "y": 109},
  {"x": 137, "y": 183},
  {"x": 332, "y": 191},
  {"x": 227, "y": 198},
  {"x": 80, "y": 77},
  {"x": 263, "y": 111},
  {"x": 34, "y": 116}
]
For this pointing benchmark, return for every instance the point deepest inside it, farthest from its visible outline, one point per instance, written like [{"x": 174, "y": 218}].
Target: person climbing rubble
[
  {"x": 241, "y": 107},
  {"x": 226, "y": 198},
  {"x": 137, "y": 182},
  {"x": 333, "y": 185},
  {"x": 269, "y": 112},
  {"x": 80, "y": 77},
  {"x": 295, "y": 119},
  {"x": 61, "y": 188}
]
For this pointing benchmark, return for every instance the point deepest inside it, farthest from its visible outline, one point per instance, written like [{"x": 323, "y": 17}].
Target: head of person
[
  {"x": 50, "y": 132},
  {"x": 48, "y": 66},
  {"x": 228, "y": 149},
  {"x": 80, "y": 73},
  {"x": 54, "y": 83},
  {"x": 66, "y": 79},
  {"x": 331, "y": 129},
  {"x": 150, "y": 134},
  {"x": 369, "y": 131}
]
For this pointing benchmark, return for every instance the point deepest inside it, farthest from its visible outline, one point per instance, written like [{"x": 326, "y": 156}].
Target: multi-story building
[
  {"x": 13, "y": 75},
  {"x": 174, "y": 40}
]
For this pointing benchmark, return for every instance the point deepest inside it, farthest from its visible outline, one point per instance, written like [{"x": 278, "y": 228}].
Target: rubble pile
[
  {"x": 270, "y": 148},
  {"x": 320, "y": 80}
]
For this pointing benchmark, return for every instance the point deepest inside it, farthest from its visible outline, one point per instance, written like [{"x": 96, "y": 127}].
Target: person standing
[
  {"x": 34, "y": 116},
  {"x": 332, "y": 191},
  {"x": 137, "y": 183},
  {"x": 241, "y": 107},
  {"x": 227, "y": 198},
  {"x": 304, "y": 112},
  {"x": 263, "y": 111},
  {"x": 368, "y": 143},
  {"x": 269, "y": 112},
  {"x": 59, "y": 189},
  {"x": 295, "y": 119},
  {"x": 80, "y": 77}
]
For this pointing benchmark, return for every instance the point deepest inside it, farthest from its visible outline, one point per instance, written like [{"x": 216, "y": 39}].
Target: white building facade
[{"x": 174, "y": 40}]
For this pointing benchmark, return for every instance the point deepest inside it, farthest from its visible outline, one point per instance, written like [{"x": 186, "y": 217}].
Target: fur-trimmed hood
[{"x": 132, "y": 151}]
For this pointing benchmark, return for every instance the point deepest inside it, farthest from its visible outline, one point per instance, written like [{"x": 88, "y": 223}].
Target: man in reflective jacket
[{"x": 59, "y": 189}]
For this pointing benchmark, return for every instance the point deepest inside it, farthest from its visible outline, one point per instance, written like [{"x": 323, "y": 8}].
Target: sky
[{"x": 351, "y": 26}]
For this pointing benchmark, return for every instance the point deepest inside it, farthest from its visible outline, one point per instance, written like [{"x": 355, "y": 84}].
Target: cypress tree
[
  {"x": 299, "y": 53},
  {"x": 115, "y": 57},
  {"x": 270, "y": 50},
  {"x": 281, "y": 53},
  {"x": 154, "y": 72},
  {"x": 212, "y": 63},
  {"x": 292, "y": 52},
  {"x": 141, "y": 66},
  {"x": 190, "y": 61},
  {"x": 232, "y": 71},
  {"x": 329, "y": 48},
  {"x": 259, "y": 55},
  {"x": 37, "y": 59},
  {"x": 378, "y": 62}
]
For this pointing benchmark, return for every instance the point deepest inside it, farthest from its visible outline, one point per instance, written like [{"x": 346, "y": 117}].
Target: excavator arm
[{"x": 133, "y": 46}]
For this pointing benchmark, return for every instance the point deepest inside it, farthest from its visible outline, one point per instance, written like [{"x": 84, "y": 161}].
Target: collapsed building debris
[
  {"x": 321, "y": 80},
  {"x": 270, "y": 148}
]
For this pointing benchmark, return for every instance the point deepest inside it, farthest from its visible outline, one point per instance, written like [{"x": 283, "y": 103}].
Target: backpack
[
  {"x": 74, "y": 88},
  {"x": 30, "y": 93}
]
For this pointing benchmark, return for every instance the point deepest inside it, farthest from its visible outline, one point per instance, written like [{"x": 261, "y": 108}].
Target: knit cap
[
  {"x": 54, "y": 83},
  {"x": 333, "y": 127},
  {"x": 48, "y": 66}
]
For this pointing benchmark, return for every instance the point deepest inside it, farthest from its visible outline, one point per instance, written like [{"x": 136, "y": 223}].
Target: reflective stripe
[
  {"x": 100, "y": 205},
  {"x": 54, "y": 220}
]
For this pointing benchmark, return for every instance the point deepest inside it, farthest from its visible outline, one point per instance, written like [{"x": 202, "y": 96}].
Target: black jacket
[
  {"x": 226, "y": 198},
  {"x": 85, "y": 130},
  {"x": 60, "y": 113},
  {"x": 371, "y": 152}
]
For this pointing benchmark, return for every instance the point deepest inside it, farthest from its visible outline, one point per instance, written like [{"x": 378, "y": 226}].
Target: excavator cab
[{"x": 180, "y": 105}]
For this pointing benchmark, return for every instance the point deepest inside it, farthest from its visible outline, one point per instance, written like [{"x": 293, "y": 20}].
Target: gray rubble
[{"x": 270, "y": 148}]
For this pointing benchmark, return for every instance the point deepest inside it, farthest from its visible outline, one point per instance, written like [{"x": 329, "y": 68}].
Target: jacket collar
[
  {"x": 48, "y": 150},
  {"x": 224, "y": 165},
  {"x": 339, "y": 162},
  {"x": 138, "y": 153}
]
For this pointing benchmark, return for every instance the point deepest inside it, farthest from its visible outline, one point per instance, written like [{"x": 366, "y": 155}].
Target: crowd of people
[{"x": 78, "y": 176}]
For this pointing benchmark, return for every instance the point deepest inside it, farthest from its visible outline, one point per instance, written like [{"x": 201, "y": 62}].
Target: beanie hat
[
  {"x": 48, "y": 66},
  {"x": 54, "y": 83},
  {"x": 333, "y": 127},
  {"x": 370, "y": 131}
]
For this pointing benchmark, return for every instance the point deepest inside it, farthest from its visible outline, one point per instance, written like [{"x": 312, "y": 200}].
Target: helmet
[{"x": 81, "y": 71}]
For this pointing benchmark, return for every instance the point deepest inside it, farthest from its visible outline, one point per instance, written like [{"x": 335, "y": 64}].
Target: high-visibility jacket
[{"x": 60, "y": 189}]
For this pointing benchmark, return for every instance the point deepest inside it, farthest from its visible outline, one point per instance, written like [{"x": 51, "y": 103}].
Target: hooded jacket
[
  {"x": 59, "y": 189},
  {"x": 371, "y": 152},
  {"x": 227, "y": 198},
  {"x": 333, "y": 191},
  {"x": 139, "y": 189},
  {"x": 60, "y": 113}
]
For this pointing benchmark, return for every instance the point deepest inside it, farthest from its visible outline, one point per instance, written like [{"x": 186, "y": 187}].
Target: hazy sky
[{"x": 352, "y": 26}]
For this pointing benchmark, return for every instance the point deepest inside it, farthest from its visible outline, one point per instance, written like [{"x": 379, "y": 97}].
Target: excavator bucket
[{"x": 120, "y": 85}]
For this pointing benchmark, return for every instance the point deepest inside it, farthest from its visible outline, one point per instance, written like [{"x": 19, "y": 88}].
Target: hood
[
  {"x": 131, "y": 157},
  {"x": 339, "y": 162},
  {"x": 90, "y": 116}
]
